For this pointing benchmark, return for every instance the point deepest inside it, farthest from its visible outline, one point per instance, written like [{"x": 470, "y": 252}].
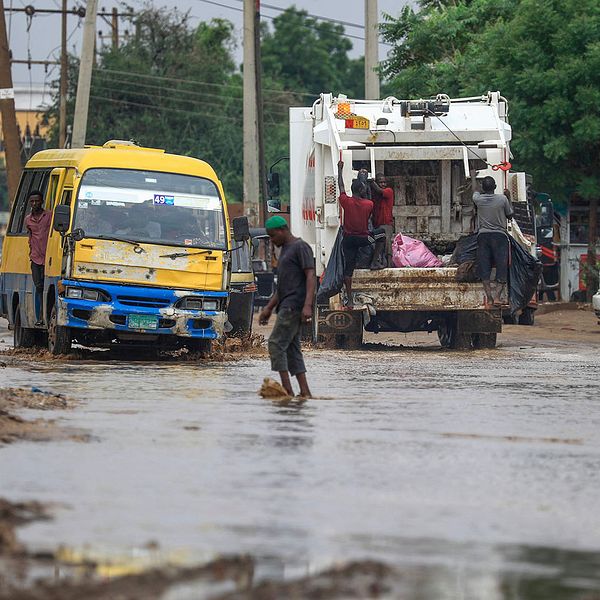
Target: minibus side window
[
  {"x": 31, "y": 180},
  {"x": 40, "y": 183},
  {"x": 20, "y": 207}
]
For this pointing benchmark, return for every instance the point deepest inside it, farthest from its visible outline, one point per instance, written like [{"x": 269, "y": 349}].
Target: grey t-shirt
[
  {"x": 492, "y": 212},
  {"x": 291, "y": 278}
]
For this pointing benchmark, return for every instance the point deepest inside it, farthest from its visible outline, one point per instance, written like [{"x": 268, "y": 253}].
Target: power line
[
  {"x": 198, "y": 82},
  {"x": 116, "y": 80},
  {"x": 349, "y": 35}
]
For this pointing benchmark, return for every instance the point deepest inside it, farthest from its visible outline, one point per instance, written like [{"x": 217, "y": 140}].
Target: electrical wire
[{"x": 199, "y": 82}]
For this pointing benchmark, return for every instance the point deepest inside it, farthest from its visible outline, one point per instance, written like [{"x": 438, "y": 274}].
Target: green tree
[
  {"x": 304, "y": 54},
  {"x": 170, "y": 86},
  {"x": 544, "y": 56}
]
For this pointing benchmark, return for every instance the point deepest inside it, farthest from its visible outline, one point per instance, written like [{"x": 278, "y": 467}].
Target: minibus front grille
[{"x": 144, "y": 301}]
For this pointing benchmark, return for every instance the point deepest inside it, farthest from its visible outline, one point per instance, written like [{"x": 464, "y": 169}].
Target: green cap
[{"x": 275, "y": 222}]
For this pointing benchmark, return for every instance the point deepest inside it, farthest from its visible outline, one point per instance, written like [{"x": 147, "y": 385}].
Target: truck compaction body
[{"x": 427, "y": 150}]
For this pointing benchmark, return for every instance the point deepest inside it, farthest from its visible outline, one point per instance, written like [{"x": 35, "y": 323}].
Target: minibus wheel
[
  {"x": 23, "y": 336},
  {"x": 59, "y": 337}
]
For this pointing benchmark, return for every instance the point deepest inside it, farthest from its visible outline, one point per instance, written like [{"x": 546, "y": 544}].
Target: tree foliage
[
  {"x": 177, "y": 87},
  {"x": 544, "y": 56}
]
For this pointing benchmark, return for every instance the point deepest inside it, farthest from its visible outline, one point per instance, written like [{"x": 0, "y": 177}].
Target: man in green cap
[{"x": 293, "y": 301}]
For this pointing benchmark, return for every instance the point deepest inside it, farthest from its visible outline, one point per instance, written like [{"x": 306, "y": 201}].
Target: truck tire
[
  {"x": 484, "y": 340},
  {"x": 23, "y": 337},
  {"x": 59, "y": 337},
  {"x": 527, "y": 316},
  {"x": 450, "y": 337}
]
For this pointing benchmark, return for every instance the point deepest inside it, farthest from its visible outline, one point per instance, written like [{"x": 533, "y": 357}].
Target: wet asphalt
[{"x": 475, "y": 474}]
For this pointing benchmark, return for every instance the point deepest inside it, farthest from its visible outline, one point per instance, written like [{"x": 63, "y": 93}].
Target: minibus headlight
[
  {"x": 74, "y": 292},
  {"x": 86, "y": 294},
  {"x": 211, "y": 305},
  {"x": 192, "y": 304}
]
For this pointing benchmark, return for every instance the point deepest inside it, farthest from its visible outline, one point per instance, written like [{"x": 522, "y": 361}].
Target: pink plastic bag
[{"x": 408, "y": 252}]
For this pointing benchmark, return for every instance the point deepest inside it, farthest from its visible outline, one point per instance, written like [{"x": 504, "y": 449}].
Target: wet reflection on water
[{"x": 474, "y": 475}]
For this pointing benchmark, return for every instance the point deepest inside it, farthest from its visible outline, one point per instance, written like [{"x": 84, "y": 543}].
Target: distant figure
[
  {"x": 355, "y": 228},
  {"x": 383, "y": 218},
  {"x": 293, "y": 301},
  {"x": 493, "y": 211},
  {"x": 38, "y": 223}
]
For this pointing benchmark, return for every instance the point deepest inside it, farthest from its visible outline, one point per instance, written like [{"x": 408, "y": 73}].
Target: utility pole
[
  {"x": 115, "y": 29},
  {"x": 371, "y": 50},
  {"x": 10, "y": 132},
  {"x": 84, "y": 80},
  {"x": 260, "y": 117},
  {"x": 250, "y": 125},
  {"x": 62, "y": 93}
]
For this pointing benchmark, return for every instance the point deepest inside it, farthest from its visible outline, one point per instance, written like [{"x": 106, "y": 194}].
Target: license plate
[{"x": 142, "y": 322}]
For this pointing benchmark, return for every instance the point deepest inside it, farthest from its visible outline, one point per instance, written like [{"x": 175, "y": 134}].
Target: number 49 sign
[{"x": 162, "y": 199}]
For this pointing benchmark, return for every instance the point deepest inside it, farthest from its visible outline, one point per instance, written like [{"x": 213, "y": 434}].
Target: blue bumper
[{"x": 135, "y": 301}]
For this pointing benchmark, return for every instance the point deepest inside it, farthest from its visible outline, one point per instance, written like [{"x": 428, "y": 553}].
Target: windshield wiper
[
  {"x": 120, "y": 239},
  {"x": 182, "y": 254}
]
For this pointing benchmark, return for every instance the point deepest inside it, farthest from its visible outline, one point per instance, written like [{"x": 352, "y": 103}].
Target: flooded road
[{"x": 475, "y": 474}]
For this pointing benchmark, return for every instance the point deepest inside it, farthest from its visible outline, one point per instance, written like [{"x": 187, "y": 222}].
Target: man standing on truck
[
  {"x": 293, "y": 300},
  {"x": 493, "y": 210},
  {"x": 355, "y": 228},
  {"x": 38, "y": 226},
  {"x": 383, "y": 199}
]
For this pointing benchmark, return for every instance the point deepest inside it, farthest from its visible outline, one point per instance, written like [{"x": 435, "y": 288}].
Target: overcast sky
[{"x": 41, "y": 37}]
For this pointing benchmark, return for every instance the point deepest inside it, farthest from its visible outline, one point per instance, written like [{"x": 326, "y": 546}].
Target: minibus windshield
[{"x": 149, "y": 206}]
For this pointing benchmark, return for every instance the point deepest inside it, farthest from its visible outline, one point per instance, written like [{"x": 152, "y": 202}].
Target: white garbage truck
[{"x": 427, "y": 150}]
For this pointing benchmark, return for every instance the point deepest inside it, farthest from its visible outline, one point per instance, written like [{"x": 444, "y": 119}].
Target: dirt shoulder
[
  {"x": 575, "y": 325},
  {"x": 14, "y": 427}
]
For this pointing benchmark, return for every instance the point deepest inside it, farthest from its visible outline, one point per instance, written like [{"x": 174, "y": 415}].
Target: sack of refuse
[
  {"x": 333, "y": 277},
  {"x": 408, "y": 252}
]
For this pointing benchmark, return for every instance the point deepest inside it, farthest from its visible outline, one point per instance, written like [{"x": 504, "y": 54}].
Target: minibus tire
[
  {"x": 59, "y": 337},
  {"x": 24, "y": 337}
]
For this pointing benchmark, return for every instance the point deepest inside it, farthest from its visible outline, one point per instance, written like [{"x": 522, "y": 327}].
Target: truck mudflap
[{"x": 414, "y": 289}]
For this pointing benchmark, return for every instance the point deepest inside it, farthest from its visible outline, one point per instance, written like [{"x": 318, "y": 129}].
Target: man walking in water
[
  {"x": 293, "y": 301},
  {"x": 493, "y": 211},
  {"x": 38, "y": 225}
]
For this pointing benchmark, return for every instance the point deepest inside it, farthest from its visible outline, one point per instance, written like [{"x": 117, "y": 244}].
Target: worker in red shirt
[
  {"x": 355, "y": 226},
  {"x": 383, "y": 218},
  {"x": 37, "y": 223}
]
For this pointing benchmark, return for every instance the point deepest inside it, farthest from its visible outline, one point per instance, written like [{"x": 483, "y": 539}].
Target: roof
[{"x": 121, "y": 156}]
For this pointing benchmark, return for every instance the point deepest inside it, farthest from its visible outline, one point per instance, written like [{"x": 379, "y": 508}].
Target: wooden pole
[{"x": 10, "y": 131}]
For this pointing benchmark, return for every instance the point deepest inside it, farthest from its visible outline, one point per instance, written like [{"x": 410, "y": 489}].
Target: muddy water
[{"x": 477, "y": 475}]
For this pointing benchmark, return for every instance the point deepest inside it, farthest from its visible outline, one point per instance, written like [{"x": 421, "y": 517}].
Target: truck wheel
[
  {"x": 527, "y": 317},
  {"x": 484, "y": 340},
  {"x": 24, "y": 337},
  {"x": 59, "y": 337},
  {"x": 450, "y": 337}
]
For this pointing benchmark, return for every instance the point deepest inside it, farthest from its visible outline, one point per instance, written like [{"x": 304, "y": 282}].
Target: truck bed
[{"x": 416, "y": 289}]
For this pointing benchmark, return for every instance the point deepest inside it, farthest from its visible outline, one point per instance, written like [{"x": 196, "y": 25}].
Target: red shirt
[
  {"x": 382, "y": 214},
  {"x": 356, "y": 215},
  {"x": 39, "y": 228}
]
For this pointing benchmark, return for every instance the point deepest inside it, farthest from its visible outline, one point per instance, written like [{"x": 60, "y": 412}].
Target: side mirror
[
  {"x": 273, "y": 184},
  {"x": 78, "y": 234},
  {"x": 241, "y": 229},
  {"x": 62, "y": 218}
]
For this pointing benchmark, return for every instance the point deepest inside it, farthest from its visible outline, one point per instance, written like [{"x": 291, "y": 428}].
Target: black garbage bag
[
  {"x": 524, "y": 270},
  {"x": 333, "y": 278},
  {"x": 524, "y": 275},
  {"x": 466, "y": 249},
  {"x": 364, "y": 257}
]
